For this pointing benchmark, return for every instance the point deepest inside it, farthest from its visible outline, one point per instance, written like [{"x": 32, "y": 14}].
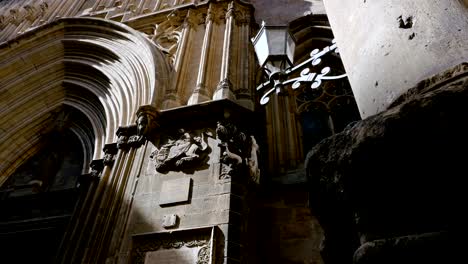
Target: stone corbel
[
  {"x": 123, "y": 134},
  {"x": 96, "y": 168},
  {"x": 135, "y": 135},
  {"x": 109, "y": 154},
  {"x": 147, "y": 121}
]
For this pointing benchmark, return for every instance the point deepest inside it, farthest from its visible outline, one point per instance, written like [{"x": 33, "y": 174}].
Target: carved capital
[
  {"x": 96, "y": 168},
  {"x": 15, "y": 17},
  {"x": 123, "y": 134},
  {"x": 109, "y": 154},
  {"x": 31, "y": 12},
  {"x": 215, "y": 14},
  {"x": 147, "y": 120},
  {"x": 231, "y": 11},
  {"x": 243, "y": 18},
  {"x": 193, "y": 18}
]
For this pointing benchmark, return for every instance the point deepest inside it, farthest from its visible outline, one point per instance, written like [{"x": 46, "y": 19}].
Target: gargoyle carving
[
  {"x": 183, "y": 153},
  {"x": 239, "y": 152}
]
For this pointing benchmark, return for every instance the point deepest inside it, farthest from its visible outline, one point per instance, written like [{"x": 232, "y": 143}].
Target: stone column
[
  {"x": 200, "y": 93},
  {"x": 190, "y": 22},
  {"x": 224, "y": 89},
  {"x": 388, "y": 47}
]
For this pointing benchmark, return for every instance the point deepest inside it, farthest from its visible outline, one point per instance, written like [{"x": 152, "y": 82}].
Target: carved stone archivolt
[
  {"x": 187, "y": 151},
  {"x": 239, "y": 152}
]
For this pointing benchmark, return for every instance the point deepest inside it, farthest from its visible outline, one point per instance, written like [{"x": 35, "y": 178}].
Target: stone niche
[{"x": 180, "y": 247}]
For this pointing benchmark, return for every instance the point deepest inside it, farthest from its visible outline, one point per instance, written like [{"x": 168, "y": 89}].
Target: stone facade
[{"x": 131, "y": 132}]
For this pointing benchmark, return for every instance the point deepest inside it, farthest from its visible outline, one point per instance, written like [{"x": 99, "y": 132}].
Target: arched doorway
[{"x": 65, "y": 89}]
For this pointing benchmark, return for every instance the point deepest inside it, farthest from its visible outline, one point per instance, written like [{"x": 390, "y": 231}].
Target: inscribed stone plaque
[
  {"x": 175, "y": 191},
  {"x": 182, "y": 255}
]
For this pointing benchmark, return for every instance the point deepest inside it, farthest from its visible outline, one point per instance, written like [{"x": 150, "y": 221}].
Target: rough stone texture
[
  {"x": 421, "y": 248},
  {"x": 394, "y": 174},
  {"x": 289, "y": 232},
  {"x": 210, "y": 200},
  {"x": 388, "y": 47}
]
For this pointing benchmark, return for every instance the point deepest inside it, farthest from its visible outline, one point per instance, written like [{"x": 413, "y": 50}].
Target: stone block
[
  {"x": 169, "y": 220},
  {"x": 175, "y": 191}
]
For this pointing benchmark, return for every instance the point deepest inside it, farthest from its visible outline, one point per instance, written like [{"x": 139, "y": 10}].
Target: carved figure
[
  {"x": 252, "y": 161},
  {"x": 147, "y": 122},
  {"x": 179, "y": 154},
  {"x": 239, "y": 152}
]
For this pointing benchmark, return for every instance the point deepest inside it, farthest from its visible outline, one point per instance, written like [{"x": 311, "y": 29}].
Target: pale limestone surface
[{"x": 382, "y": 59}]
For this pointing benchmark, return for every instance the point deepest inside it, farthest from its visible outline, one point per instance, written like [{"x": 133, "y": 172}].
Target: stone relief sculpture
[
  {"x": 239, "y": 153},
  {"x": 167, "y": 34},
  {"x": 148, "y": 245},
  {"x": 183, "y": 153}
]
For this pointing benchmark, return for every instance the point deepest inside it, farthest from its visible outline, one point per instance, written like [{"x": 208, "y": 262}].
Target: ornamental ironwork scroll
[{"x": 305, "y": 76}]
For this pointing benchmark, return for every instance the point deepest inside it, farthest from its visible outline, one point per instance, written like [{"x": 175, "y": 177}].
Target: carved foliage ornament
[
  {"x": 135, "y": 136},
  {"x": 167, "y": 34},
  {"x": 31, "y": 12},
  {"x": 186, "y": 152},
  {"x": 148, "y": 245},
  {"x": 239, "y": 152}
]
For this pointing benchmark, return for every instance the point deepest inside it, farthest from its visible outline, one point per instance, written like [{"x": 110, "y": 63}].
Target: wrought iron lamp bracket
[{"x": 279, "y": 79}]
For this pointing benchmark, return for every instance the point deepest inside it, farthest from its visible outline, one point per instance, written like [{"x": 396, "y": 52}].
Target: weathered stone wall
[
  {"x": 287, "y": 230},
  {"x": 387, "y": 189},
  {"x": 388, "y": 47},
  {"x": 206, "y": 190}
]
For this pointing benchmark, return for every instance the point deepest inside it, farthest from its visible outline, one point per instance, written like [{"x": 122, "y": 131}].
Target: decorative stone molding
[
  {"x": 243, "y": 18},
  {"x": 109, "y": 154},
  {"x": 193, "y": 18},
  {"x": 122, "y": 133},
  {"x": 135, "y": 135},
  {"x": 231, "y": 11},
  {"x": 96, "y": 168},
  {"x": 216, "y": 14},
  {"x": 128, "y": 137},
  {"x": 204, "y": 255},
  {"x": 30, "y": 11},
  {"x": 147, "y": 120},
  {"x": 188, "y": 151},
  {"x": 156, "y": 242},
  {"x": 239, "y": 153},
  {"x": 167, "y": 34}
]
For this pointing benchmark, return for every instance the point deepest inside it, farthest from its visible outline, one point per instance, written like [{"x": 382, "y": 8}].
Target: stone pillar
[
  {"x": 200, "y": 93},
  {"x": 388, "y": 47},
  {"x": 190, "y": 22},
  {"x": 224, "y": 89}
]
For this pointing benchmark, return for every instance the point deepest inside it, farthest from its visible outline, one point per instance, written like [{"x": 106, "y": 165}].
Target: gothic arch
[{"x": 102, "y": 70}]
